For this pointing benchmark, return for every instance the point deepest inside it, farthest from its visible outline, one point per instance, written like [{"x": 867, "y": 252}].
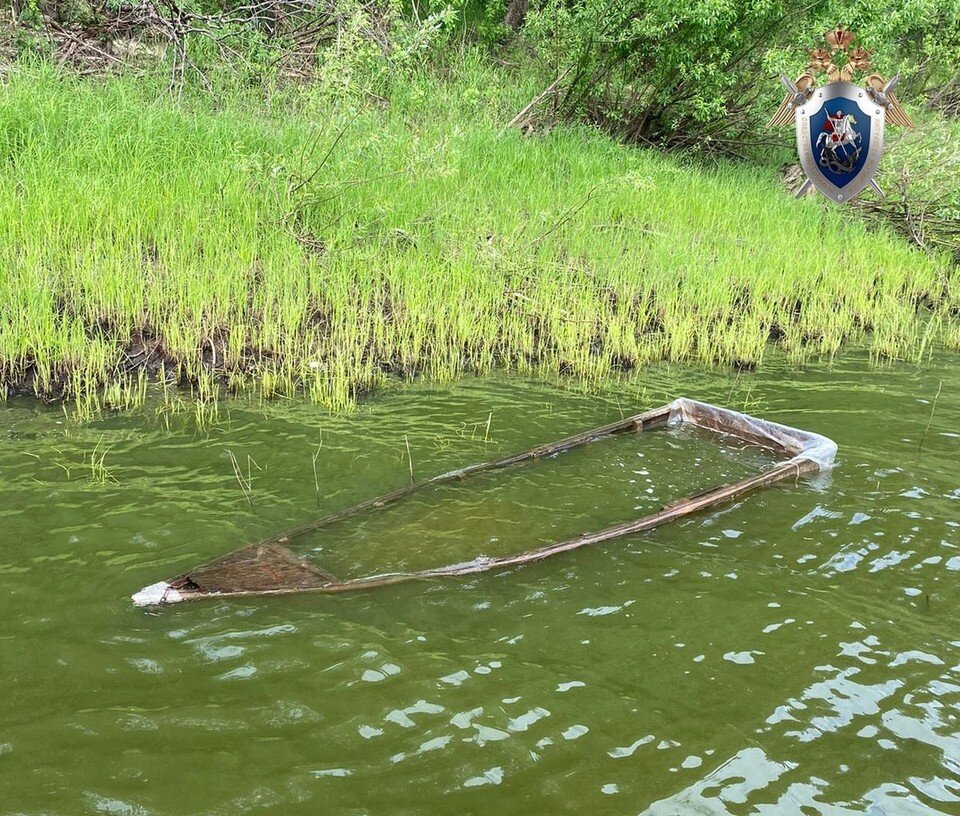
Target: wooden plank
[{"x": 257, "y": 568}]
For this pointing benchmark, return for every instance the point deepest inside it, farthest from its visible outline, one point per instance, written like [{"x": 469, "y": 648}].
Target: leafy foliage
[
  {"x": 920, "y": 176},
  {"x": 702, "y": 72},
  {"x": 345, "y": 46}
]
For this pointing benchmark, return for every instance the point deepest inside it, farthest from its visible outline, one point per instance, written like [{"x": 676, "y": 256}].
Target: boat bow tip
[{"x": 156, "y": 594}]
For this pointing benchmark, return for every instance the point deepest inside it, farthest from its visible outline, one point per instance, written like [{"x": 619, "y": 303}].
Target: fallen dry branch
[
  {"x": 524, "y": 119},
  {"x": 271, "y": 568},
  {"x": 118, "y": 34}
]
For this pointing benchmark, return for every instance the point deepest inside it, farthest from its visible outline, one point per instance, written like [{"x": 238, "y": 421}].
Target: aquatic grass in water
[{"x": 291, "y": 244}]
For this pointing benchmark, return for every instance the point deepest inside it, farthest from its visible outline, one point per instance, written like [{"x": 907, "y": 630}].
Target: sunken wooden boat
[{"x": 272, "y": 568}]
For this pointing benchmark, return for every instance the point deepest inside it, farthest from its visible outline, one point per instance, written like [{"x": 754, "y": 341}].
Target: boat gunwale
[{"x": 808, "y": 452}]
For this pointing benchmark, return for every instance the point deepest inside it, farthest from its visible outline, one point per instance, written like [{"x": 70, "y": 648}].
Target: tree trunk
[{"x": 516, "y": 12}]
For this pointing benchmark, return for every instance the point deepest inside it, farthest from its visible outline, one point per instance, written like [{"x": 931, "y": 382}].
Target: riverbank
[{"x": 286, "y": 242}]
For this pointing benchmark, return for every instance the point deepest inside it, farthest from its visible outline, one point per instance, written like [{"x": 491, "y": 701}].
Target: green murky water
[{"x": 795, "y": 653}]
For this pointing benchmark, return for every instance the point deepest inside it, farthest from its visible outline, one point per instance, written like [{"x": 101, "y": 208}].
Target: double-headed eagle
[{"x": 839, "y": 41}]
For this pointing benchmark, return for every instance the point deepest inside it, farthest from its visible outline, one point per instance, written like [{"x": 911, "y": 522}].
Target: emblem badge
[{"x": 840, "y": 125}]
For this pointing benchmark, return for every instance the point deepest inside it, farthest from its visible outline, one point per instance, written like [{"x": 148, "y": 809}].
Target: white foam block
[{"x": 155, "y": 594}]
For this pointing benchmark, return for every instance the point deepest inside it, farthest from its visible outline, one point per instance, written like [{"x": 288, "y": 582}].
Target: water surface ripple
[{"x": 795, "y": 653}]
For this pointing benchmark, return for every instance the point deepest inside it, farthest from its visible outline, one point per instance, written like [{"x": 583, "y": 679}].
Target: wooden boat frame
[{"x": 272, "y": 568}]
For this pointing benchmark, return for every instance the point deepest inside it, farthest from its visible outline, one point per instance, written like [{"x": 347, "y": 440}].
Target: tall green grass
[{"x": 287, "y": 242}]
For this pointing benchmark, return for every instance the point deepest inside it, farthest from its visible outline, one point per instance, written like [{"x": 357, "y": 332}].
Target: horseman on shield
[{"x": 839, "y": 143}]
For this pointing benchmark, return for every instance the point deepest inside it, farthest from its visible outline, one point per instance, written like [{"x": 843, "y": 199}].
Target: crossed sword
[{"x": 881, "y": 97}]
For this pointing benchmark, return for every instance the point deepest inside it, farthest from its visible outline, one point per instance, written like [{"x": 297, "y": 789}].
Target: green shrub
[{"x": 703, "y": 72}]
